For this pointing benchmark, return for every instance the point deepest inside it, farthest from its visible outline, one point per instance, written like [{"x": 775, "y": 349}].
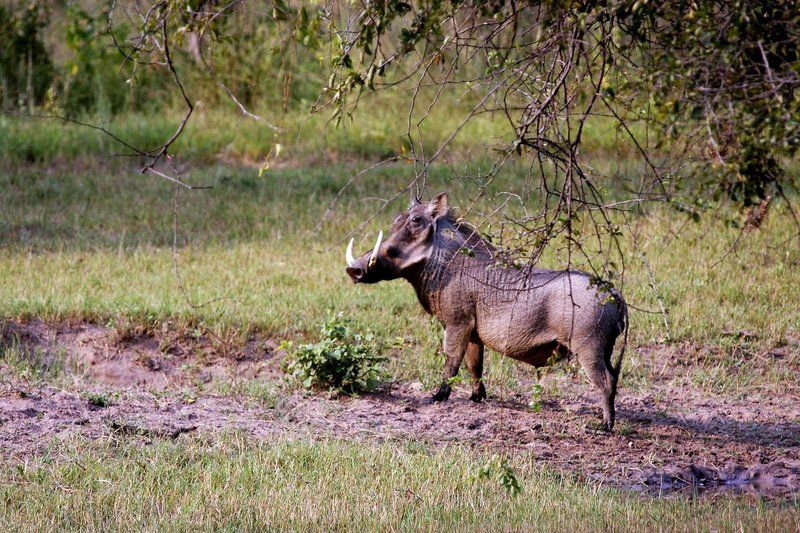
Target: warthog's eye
[{"x": 392, "y": 252}]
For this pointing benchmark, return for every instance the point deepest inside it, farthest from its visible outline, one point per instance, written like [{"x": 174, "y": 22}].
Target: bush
[{"x": 343, "y": 360}]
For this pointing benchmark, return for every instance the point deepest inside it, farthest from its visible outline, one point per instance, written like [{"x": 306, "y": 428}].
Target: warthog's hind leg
[{"x": 598, "y": 368}]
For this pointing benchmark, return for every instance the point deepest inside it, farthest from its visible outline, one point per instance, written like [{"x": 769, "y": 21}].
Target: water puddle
[{"x": 769, "y": 482}]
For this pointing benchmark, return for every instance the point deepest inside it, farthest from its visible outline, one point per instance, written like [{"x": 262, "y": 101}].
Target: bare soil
[{"x": 671, "y": 438}]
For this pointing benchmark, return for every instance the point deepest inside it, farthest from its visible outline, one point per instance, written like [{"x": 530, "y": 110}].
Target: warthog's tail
[{"x": 616, "y": 367}]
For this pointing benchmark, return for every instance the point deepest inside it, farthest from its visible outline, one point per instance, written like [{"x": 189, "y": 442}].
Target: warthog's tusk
[
  {"x": 349, "y": 254},
  {"x": 374, "y": 255}
]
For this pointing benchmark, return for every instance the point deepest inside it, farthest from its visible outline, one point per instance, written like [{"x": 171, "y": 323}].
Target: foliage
[
  {"x": 709, "y": 83},
  {"x": 96, "y": 78},
  {"x": 89, "y": 57},
  {"x": 722, "y": 73},
  {"x": 498, "y": 467},
  {"x": 730, "y": 69},
  {"x": 343, "y": 359},
  {"x": 252, "y": 55},
  {"x": 98, "y": 399},
  {"x": 715, "y": 82},
  {"x": 536, "y": 398},
  {"x": 26, "y": 70}
]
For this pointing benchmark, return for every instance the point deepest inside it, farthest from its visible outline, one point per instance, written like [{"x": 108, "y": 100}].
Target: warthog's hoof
[
  {"x": 441, "y": 395},
  {"x": 479, "y": 395},
  {"x": 607, "y": 425}
]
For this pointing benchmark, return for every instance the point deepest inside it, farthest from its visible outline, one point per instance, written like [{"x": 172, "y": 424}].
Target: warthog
[{"x": 527, "y": 314}]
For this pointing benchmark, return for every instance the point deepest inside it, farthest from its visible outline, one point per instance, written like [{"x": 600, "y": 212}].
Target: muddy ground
[{"x": 670, "y": 438}]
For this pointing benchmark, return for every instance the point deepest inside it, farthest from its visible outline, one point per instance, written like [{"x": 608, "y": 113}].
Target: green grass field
[
  {"x": 84, "y": 239},
  {"x": 325, "y": 485}
]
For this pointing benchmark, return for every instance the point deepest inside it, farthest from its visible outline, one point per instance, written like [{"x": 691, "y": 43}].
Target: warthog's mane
[{"x": 456, "y": 234}]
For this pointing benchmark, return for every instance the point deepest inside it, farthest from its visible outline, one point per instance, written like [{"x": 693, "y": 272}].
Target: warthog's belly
[{"x": 541, "y": 355}]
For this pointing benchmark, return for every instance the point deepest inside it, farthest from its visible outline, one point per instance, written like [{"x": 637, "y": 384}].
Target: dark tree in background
[{"x": 25, "y": 68}]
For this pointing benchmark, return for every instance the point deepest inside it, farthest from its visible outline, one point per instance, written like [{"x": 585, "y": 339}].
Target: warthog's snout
[{"x": 356, "y": 273}]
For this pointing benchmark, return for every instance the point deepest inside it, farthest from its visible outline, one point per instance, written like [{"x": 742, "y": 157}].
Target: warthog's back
[{"x": 528, "y": 316}]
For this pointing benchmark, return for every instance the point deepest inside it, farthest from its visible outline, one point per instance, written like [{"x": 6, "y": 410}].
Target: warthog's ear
[{"x": 438, "y": 206}]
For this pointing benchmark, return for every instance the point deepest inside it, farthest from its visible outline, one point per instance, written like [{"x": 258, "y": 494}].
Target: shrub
[
  {"x": 98, "y": 399},
  {"x": 343, "y": 359},
  {"x": 498, "y": 467}
]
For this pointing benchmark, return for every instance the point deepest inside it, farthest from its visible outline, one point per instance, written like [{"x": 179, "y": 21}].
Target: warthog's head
[{"x": 407, "y": 247}]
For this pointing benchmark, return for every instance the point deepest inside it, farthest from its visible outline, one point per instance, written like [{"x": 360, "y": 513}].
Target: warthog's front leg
[
  {"x": 455, "y": 345},
  {"x": 474, "y": 360}
]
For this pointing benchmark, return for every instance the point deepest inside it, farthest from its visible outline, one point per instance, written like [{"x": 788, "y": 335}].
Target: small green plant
[
  {"x": 498, "y": 467},
  {"x": 455, "y": 380},
  {"x": 98, "y": 399},
  {"x": 343, "y": 359},
  {"x": 536, "y": 398}
]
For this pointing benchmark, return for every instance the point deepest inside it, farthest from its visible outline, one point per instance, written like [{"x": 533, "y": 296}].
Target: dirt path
[{"x": 665, "y": 442}]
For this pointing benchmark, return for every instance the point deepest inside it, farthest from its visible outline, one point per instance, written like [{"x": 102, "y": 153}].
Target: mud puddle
[{"x": 770, "y": 480}]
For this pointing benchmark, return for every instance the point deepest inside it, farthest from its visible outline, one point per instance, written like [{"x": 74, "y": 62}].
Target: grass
[
  {"x": 378, "y": 129},
  {"x": 260, "y": 254},
  {"x": 223, "y": 134},
  {"x": 235, "y": 484},
  {"x": 32, "y": 365}
]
